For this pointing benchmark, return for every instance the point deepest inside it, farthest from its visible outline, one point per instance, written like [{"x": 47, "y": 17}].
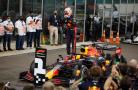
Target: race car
[{"x": 72, "y": 67}]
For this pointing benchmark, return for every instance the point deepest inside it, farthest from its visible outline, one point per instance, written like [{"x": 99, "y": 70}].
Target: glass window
[
  {"x": 13, "y": 9},
  {"x": 3, "y": 7},
  {"x": 31, "y": 5},
  {"x": 49, "y": 6},
  {"x": 116, "y": 1}
]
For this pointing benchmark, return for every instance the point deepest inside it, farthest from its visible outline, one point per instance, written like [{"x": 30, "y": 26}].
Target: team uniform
[
  {"x": 9, "y": 27},
  {"x": 70, "y": 31},
  {"x": 31, "y": 29},
  {"x": 21, "y": 32},
  {"x": 1, "y": 32},
  {"x": 69, "y": 34},
  {"x": 38, "y": 22}
]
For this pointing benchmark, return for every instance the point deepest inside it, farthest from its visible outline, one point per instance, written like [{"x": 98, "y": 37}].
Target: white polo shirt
[
  {"x": 38, "y": 22},
  {"x": 8, "y": 24},
  {"x": 1, "y": 29},
  {"x": 133, "y": 19},
  {"x": 115, "y": 14},
  {"x": 30, "y": 24},
  {"x": 21, "y": 27}
]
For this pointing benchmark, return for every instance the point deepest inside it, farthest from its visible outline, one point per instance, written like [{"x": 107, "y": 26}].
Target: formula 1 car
[{"x": 72, "y": 67}]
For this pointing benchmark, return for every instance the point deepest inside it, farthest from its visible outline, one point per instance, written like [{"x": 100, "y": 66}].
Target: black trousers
[
  {"x": 19, "y": 41},
  {"x": 37, "y": 38},
  {"x": 95, "y": 32},
  {"x": 7, "y": 41},
  {"x": 30, "y": 38},
  {"x": 69, "y": 40}
]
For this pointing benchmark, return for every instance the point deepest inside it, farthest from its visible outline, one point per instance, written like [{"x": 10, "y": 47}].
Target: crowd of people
[{"x": 30, "y": 29}]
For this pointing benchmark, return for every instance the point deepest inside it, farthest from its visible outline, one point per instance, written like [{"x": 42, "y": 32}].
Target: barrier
[
  {"x": 117, "y": 39},
  {"x": 103, "y": 37},
  {"x": 111, "y": 40},
  {"x": 81, "y": 37}
]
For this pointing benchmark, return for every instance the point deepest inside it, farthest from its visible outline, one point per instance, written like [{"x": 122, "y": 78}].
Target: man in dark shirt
[{"x": 54, "y": 22}]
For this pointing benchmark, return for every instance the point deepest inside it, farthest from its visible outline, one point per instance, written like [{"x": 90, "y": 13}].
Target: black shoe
[
  {"x": 39, "y": 46},
  {"x": 10, "y": 49},
  {"x": 1, "y": 50},
  {"x": 22, "y": 49},
  {"x": 56, "y": 44},
  {"x": 17, "y": 49},
  {"x": 5, "y": 49}
]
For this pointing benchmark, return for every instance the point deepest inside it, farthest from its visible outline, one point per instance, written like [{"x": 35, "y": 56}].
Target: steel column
[
  {"x": 126, "y": 17},
  {"x": 8, "y": 7},
  {"x": 133, "y": 27},
  {"x": 103, "y": 16},
  {"x": 84, "y": 20},
  {"x": 119, "y": 17},
  {"x": 111, "y": 16}
]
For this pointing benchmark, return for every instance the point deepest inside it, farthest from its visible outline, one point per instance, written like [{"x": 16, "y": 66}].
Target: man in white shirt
[
  {"x": 132, "y": 23},
  {"x": 96, "y": 28},
  {"x": 1, "y": 31},
  {"x": 21, "y": 32},
  {"x": 133, "y": 18},
  {"x": 9, "y": 28},
  {"x": 31, "y": 29},
  {"x": 115, "y": 15},
  {"x": 115, "y": 21},
  {"x": 38, "y": 22}
]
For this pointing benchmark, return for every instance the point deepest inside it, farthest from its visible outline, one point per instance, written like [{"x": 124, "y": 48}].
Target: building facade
[{"x": 15, "y": 8}]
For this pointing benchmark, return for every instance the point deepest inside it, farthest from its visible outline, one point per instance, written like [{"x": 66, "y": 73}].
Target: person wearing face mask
[
  {"x": 38, "y": 22},
  {"x": 30, "y": 24},
  {"x": 9, "y": 28},
  {"x": 53, "y": 24},
  {"x": 21, "y": 32},
  {"x": 1, "y": 31}
]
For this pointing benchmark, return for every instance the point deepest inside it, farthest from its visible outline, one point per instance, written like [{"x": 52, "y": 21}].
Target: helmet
[{"x": 118, "y": 51}]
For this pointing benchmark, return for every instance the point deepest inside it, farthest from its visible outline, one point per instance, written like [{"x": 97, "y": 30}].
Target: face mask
[
  {"x": 0, "y": 20},
  {"x": 40, "y": 16},
  {"x": 55, "y": 13},
  {"x": 21, "y": 19},
  {"x": 8, "y": 20},
  {"x": 31, "y": 15}
]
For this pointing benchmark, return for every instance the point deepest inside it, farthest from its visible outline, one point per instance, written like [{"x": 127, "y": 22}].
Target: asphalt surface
[{"x": 11, "y": 66}]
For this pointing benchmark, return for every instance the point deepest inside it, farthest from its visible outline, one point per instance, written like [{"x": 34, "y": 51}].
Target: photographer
[{"x": 118, "y": 78}]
